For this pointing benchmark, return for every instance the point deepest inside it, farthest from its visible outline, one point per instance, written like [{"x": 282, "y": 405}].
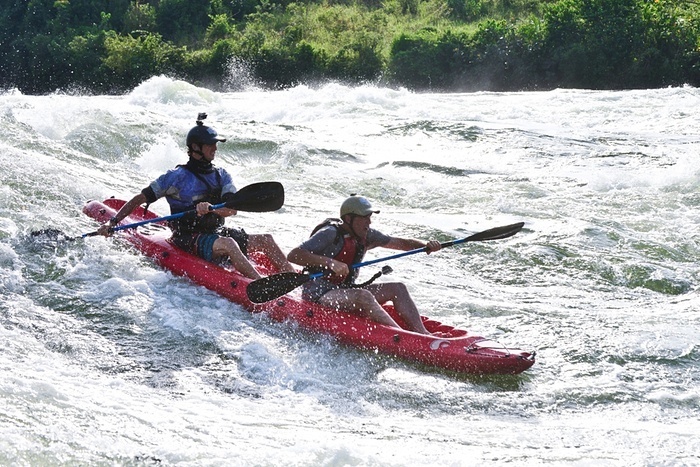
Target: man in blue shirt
[{"x": 197, "y": 185}]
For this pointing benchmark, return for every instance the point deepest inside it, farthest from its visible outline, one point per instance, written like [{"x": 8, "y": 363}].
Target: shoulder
[
  {"x": 327, "y": 232},
  {"x": 223, "y": 176},
  {"x": 329, "y": 222},
  {"x": 178, "y": 173},
  {"x": 320, "y": 240}
]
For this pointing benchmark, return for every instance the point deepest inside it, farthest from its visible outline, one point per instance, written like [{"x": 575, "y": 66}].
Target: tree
[{"x": 183, "y": 21}]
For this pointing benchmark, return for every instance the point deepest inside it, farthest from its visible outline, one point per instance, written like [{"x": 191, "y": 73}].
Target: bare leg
[
  {"x": 266, "y": 244},
  {"x": 226, "y": 246},
  {"x": 360, "y": 302},
  {"x": 397, "y": 293}
]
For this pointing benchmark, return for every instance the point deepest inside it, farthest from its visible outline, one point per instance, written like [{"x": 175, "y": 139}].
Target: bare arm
[
  {"x": 307, "y": 259},
  {"x": 125, "y": 210},
  {"x": 406, "y": 244}
]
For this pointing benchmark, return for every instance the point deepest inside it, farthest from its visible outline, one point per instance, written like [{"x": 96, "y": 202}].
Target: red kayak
[{"x": 448, "y": 348}]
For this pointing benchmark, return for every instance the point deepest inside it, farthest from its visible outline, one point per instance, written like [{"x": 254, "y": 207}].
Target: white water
[{"x": 106, "y": 359}]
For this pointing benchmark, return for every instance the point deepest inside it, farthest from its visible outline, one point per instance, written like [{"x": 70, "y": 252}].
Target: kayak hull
[{"x": 448, "y": 348}]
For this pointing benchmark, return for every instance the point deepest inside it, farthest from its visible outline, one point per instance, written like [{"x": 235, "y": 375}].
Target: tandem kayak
[{"x": 448, "y": 348}]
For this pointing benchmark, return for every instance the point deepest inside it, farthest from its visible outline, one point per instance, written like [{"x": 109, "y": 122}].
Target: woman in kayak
[
  {"x": 338, "y": 243},
  {"x": 198, "y": 185}
]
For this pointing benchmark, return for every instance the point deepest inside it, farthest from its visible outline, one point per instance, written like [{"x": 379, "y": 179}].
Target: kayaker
[
  {"x": 338, "y": 243},
  {"x": 198, "y": 184}
]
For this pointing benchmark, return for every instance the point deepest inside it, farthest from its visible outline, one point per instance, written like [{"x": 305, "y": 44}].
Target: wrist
[{"x": 113, "y": 221}]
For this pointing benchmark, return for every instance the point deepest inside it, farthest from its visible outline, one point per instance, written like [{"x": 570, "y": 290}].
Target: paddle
[
  {"x": 271, "y": 287},
  {"x": 256, "y": 197}
]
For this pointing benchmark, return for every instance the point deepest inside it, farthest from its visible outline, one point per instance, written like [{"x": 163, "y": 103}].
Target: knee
[
  {"x": 398, "y": 289},
  {"x": 265, "y": 240},
  {"x": 228, "y": 246},
  {"x": 365, "y": 299}
]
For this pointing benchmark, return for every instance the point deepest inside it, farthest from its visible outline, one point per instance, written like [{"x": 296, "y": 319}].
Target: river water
[{"x": 108, "y": 360}]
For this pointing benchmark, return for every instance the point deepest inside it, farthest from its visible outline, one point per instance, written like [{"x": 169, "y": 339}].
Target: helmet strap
[
  {"x": 349, "y": 226},
  {"x": 191, "y": 150}
]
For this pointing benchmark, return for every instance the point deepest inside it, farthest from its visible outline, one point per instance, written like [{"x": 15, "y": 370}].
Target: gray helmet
[
  {"x": 202, "y": 134},
  {"x": 357, "y": 205}
]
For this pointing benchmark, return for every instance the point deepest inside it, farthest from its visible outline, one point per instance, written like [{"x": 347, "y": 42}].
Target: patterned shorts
[{"x": 202, "y": 244}]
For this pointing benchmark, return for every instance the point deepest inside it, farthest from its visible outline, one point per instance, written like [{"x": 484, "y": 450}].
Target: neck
[
  {"x": 347, "y": 227},
  {"x": 200, "y": 165}
]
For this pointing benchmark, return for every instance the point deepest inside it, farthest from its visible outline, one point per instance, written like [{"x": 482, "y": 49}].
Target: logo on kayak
[{"x": 439, "y": 344}]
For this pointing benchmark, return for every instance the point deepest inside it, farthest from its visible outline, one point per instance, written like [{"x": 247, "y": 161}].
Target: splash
[{"x": 240, "y": 76}]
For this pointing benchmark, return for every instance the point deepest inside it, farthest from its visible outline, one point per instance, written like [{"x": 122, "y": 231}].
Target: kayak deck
[{"x": 448, "y": 348}]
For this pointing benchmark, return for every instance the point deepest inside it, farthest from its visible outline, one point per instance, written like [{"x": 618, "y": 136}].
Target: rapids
[{"x": 108, "y": 360}]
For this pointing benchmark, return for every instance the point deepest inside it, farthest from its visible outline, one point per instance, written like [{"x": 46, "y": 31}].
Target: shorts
[
  {"x": 202, "y": 244},
  {"x": 314, "y": 289}
]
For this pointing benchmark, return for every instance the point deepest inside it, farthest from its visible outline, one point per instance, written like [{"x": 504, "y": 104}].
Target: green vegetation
[{"x": 110, "y": 46}]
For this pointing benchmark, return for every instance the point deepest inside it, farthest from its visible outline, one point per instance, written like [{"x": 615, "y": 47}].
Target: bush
[
  {"x": 218, "y": 29},
  {"x": 413, "y": 60},
  {"x": 183, "y": 21},
  {"x": 615, "y": 44},
  {"x": 132, "y": 60},
  {"x": 466, "y": 10},
  {"x": 84, "y": 54},
  {"x": 139, "y": 17},
  {"x": 443, "y": 45}
]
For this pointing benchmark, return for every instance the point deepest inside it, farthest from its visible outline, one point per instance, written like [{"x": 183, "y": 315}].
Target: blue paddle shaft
[
  {"x": 491, "y": 234},
  {"x": 158, "y": 219},
  {"x": 397, "y": 255}
]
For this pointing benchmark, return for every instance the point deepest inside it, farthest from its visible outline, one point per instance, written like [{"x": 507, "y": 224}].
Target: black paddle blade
[
  {"x": 258, "y": 197},
  {"x": 272, "y": 287},
  {"x": 497, "y": 233},
  {"x": 55, "y": 235},
  {"x": 51, "y": 235}
]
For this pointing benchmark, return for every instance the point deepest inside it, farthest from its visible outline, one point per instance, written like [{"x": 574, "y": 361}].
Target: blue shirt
[{"x": 183, "y": 189}]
